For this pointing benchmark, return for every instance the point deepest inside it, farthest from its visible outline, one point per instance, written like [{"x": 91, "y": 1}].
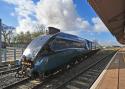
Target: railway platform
[{"x": 113, "y": 77}]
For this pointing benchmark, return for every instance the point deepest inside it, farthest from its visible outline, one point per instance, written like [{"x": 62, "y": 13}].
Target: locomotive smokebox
[{"x": 52, "y": 30}]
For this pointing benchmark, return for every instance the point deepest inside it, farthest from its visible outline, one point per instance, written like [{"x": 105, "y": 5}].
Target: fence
[{"x": 11, "y": 54}]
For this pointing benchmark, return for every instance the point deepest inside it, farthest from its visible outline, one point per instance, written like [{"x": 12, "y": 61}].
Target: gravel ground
[{"x": 8, "y": 79}]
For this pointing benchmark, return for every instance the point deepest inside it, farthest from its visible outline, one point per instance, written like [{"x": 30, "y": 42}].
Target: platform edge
[{"x": 95, "y": 84}]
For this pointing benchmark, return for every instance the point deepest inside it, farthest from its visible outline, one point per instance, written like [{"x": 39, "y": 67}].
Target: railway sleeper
[
  {"x": 78, "y": 84},
  {"x": 84, "y": 79}
]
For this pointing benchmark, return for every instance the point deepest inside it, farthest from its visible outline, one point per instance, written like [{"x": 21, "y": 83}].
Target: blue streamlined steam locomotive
[{"x": 50, "y": 52}]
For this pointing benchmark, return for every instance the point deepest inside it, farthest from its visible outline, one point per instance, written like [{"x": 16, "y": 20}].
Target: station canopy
[{"x": 112, "y": 13}]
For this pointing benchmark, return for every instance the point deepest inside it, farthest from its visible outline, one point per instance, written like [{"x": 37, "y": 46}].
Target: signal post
[{"x": 0, "y": 42}]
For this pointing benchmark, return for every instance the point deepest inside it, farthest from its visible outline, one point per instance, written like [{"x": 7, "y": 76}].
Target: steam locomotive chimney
[{"x": 53, "y": 30}]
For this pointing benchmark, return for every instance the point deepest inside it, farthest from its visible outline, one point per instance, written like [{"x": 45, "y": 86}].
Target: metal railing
[{"x": 11, "y": 54}]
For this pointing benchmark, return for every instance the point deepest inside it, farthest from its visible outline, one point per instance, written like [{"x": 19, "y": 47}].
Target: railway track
[
  {"x": 7, "y": 75},
  {"x": 7, "y": 69},
  {"x": 8, "y": 80},
  {"x": 85, "y": 79},
  {"x": 61, "y": 79}
]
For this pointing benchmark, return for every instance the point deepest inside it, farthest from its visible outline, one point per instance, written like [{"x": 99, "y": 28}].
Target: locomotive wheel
[
  {"x": 76, "y": 62},
  {"x": 72, "y": 63},
  {"x": 64, "y": 67},
  {"x": 28, "y": 72},
  {"x": 79, "y": 59},
  {"x": 42, "y": 76},
  {"x": 83, "y": 57},
  {"x": 34, "y": 75},
  {"x": 68, "y": 66},
  {"x": 86, "y": 57}
]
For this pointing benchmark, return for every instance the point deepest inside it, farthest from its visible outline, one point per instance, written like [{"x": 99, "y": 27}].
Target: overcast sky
[{"x": 71, "y": 16}]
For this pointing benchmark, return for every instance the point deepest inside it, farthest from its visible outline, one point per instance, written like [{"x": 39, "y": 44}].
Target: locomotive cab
[{"x": 34, "y": 50}]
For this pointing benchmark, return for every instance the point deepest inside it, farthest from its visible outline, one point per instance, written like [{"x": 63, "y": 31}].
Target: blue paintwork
[
  {"x": 53, "y": 61},
  {"x": 61, "y": 57},
  {"x": 69, "y": 37}
]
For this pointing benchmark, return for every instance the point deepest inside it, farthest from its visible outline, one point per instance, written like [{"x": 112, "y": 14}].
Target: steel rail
[
  {"x": 87, "y": 68},
  {"x": 16, "y": 83},
  {"x": 9, "y": 71}
]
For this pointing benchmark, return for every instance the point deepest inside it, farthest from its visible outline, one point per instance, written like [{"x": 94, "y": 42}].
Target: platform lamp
[{"x": 0, "y": 42}]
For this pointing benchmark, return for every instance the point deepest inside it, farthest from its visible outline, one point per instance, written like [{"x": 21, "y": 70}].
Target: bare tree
[
  {"x": 39, "y": 29},
  {"x": 7, "y": 33},
  {"x": 25, "y": 38}
]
